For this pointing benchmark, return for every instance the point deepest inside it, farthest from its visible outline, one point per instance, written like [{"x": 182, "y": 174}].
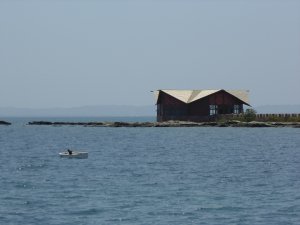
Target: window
[
  {"x": 213, "y": 109},
  {"x": 236, "y": 109}
]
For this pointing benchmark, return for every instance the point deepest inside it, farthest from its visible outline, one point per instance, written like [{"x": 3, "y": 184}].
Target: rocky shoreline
[{"x": 169, "y": 124}]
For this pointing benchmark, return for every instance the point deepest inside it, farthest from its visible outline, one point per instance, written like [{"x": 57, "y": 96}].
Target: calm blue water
[{"x": 149, "y": 175}]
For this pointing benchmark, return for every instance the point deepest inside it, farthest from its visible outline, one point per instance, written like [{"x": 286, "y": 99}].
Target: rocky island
[{"x": 233, "y": 123}]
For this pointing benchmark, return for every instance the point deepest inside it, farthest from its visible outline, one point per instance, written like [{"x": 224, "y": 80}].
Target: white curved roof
[{"x": 188, "y": 96}]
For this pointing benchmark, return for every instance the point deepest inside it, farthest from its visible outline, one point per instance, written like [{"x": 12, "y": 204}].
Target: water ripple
[{"x": 150, "y": 176}]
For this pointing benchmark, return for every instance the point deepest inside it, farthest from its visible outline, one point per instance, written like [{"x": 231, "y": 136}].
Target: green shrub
[{"x": 249, "y": 115}]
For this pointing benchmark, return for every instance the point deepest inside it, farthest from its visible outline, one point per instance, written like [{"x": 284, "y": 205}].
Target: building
[{"x": 198, "y": 105}]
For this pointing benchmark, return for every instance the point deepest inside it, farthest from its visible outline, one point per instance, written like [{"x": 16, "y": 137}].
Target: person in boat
[{"x": 70, "y": 152}]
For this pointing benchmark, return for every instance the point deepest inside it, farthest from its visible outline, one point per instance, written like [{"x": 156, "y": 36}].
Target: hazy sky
[{"x": 75, "y": 53}]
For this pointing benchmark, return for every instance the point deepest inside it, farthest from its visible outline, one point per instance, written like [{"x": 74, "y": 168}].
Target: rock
[
  {"x": 4, "y": 123},
  {"x": 210, "y": 124},
  {"x": 223, "y": 125},
  {"x": 39, "y": 123},
  {"x": 258, "y": 124},
  {"x": 231, "y": 122}
]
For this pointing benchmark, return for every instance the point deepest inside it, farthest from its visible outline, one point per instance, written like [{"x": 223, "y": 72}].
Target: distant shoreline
[{"x": 117, "y": 111}]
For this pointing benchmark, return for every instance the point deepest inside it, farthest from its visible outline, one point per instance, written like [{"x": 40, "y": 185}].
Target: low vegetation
[
  {"x": 251, "y": 115},
  {"x": 276, "y": 118}
]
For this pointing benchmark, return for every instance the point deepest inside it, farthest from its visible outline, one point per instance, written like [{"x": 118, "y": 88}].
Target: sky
[{"x": 77, "y": 53}]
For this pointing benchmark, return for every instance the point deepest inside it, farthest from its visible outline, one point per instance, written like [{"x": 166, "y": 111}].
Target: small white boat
[{"x": 76, "y": 155}]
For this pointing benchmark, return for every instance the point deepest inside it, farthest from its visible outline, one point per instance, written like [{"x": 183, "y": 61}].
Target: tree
[{"x": 250, "y": 115}]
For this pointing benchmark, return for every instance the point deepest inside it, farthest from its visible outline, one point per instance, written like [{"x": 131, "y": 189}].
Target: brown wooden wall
[
  {"x": 199, "y": 108},
  {"x": 168, "y": 105}
]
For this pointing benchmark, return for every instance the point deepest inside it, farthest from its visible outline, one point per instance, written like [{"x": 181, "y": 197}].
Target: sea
[{"x": 195, "y": 175}]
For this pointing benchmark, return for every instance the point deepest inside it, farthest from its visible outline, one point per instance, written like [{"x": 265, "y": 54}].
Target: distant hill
[
  {"x": 117, "y": 110},
  {"x": 278, "y": 109},
  {"x": 84, "y": 111}
]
